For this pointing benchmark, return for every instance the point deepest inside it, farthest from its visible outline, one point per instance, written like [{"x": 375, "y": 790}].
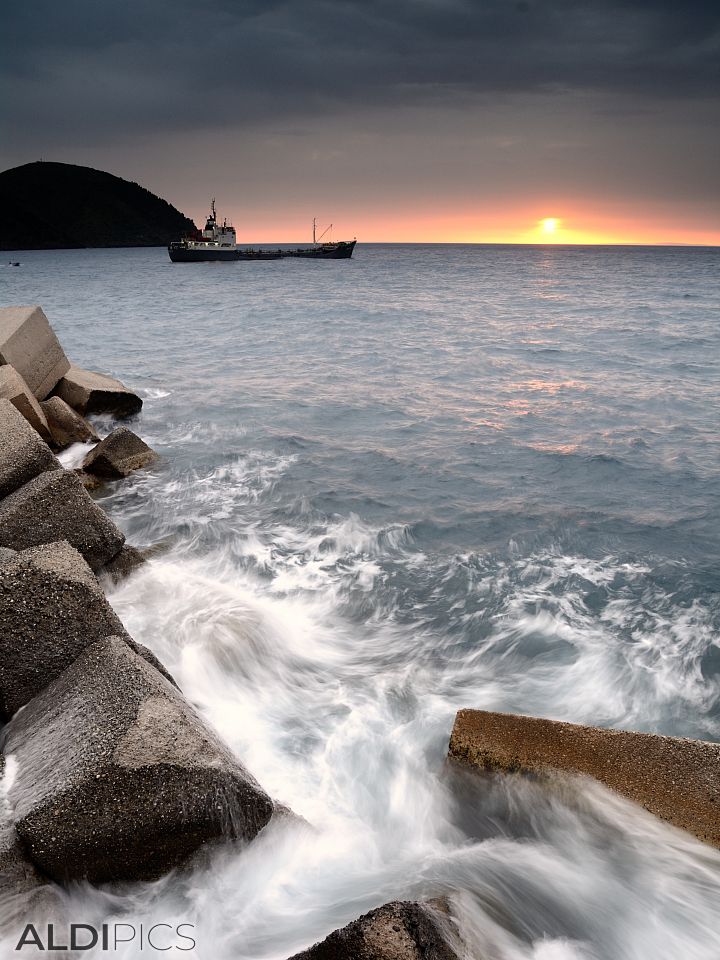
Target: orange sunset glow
[{"x": 571, "y": 222}]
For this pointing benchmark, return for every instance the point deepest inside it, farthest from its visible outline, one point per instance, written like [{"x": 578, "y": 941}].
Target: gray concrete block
[
  {"x": 23, "y": 454},
  {"x": 65, "y": 424},
  {"x": 401, "y": 930},
  {"x": 118, "y": 455},
  {"x": 28, "y": 343},
  {"x": 51, "y": 608},
  {"x": 89, "y": 392},
  {"x": 137, "y": 781},
  {"x": 674, "y": 778},
  {"x": 14, "y": 389},
  {"x": 55, "y": 506}
]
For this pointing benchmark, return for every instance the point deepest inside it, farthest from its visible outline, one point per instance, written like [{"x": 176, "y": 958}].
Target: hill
[{"x": 58, "y": 205}]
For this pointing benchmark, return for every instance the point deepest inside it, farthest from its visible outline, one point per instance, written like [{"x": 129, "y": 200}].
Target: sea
[{"x": 428, "y": 478}]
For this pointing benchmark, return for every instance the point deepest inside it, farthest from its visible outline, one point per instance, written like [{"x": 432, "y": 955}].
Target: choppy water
[{"x": 424, "y": 479}]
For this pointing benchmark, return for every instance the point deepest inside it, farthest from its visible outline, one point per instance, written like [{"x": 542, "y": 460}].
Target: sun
[{"x": 549, "y": 224}]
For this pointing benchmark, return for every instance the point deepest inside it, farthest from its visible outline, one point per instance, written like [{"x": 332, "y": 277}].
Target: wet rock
[
  {"x": 55, "y": 506},
  {"x": 126, "y": 562},
  {"x": 14, "y": 389},
  {"x": 25, "y": 896},
  {"x": 23, "y": 455},
  {"x": 676, "y": 779},
  {"x": 66, "y": 425},
  {"x": 118, "y": 455},
  {"x": 51, "y": 609},
  {"x": 89, "y": 392},
  {"x": 28, "y": 343},
  {"x": 401, "y": 930},
  {"x": 137, "y": 781}
]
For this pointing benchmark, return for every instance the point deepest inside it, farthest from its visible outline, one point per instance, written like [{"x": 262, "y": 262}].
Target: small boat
[{"x": 218, "y": 242}]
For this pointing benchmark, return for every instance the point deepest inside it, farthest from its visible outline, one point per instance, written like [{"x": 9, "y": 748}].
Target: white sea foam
[{"x": 426, "y": 480}]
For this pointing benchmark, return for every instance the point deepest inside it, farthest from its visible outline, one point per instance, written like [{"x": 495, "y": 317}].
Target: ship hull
[{"x": 182, "y": 253}]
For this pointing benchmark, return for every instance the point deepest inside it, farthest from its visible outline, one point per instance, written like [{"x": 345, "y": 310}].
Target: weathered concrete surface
[
  {"x": 401, "y": 930},
  {"x": 55, "y": 506},
  {"x": 89, "y": 392},
  {"x": 23, "y": 455},
  {"x": 66, "y": 425},
  {"x": 51, "y": 609},
  {"x": 126, "y": 562},
  {"x": 28, "y": 343},
  {"x": 136, "y": 783},
  {"x": 676, "y": 779},
  {"x": 118, "y": 455},
  {"x": 14, "y": 389}
]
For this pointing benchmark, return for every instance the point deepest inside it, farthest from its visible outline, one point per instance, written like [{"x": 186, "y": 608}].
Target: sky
[{"x": 569, "y": 121}]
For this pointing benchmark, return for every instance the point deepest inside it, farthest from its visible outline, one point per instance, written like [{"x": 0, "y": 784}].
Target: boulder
[
  {"x": 55, "y": 506},
  {"x": 14, "y": 389},
  {"x": 23, "y": 455},
  {"x": 118, "y": 455},
  {"x": 28, "y": 343},
  {"x": 402, "y": 930},
  {"x": 676, "y": 779},
  {"x": 137, "y": 781},
  {"x": 51, "y": 609},
  {"x": 65, "y": 425},
  {"x": 90, "y": 392},
  {"x": 126, "y": 562}
]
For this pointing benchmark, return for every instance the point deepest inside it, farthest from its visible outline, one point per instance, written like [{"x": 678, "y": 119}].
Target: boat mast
[{"x": 314, "y": 221}]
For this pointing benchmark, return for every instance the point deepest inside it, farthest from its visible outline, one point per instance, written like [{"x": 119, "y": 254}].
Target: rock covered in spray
[{"x": 138, "y": 782}]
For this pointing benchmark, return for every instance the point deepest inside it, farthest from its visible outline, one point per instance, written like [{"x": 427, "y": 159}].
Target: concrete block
[
  {"x": 137, "y": 781},
  {"x": 23, "y": 455},
  {"x": 118, "y": 455},
  {"x": 14, "y": 389},
  {"x": 55, "y": 506},
  {"x": 89, "y": 392},
  {"x": 674, "y": 778},
  {"x": 28, "y": 343},
  {"x": 51, "y": 608},
  {"x": 65, "y": 424},
  {"x": 401, "y": 930}
]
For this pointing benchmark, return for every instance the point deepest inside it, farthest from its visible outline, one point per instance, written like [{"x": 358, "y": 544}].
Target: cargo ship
[{"x": 219, "y": 242}]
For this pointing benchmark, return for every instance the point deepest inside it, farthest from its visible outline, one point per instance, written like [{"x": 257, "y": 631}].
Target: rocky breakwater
[
  {"x": 107, "y": 773},
  {"x": 676, "y": 779}
]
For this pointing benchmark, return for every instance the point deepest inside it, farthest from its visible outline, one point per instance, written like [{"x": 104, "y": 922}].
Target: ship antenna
[
  {"x": 314, "y": 219},
  {"x": 323, "y": 233},
  {"x": 212, "y": 207}
]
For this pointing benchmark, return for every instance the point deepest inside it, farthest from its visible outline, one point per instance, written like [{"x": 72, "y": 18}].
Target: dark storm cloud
[{"x": 85, "y": 67}]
